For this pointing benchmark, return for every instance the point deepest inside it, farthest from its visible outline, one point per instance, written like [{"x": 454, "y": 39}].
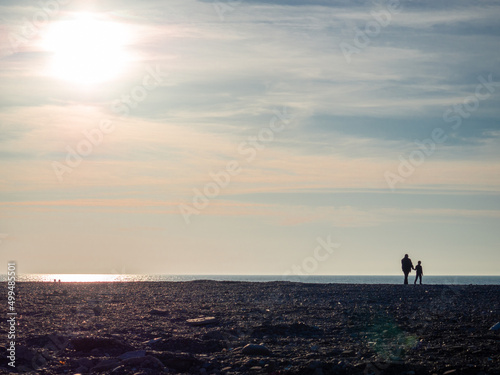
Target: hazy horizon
[{"x": 264, "y": 137}]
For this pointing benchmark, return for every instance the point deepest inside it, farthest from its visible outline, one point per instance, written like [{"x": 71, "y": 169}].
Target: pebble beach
[{"x": 220, "y": 327}]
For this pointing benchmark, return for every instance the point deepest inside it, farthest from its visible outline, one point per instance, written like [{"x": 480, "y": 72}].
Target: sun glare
[{"x": 87, "y": 49}]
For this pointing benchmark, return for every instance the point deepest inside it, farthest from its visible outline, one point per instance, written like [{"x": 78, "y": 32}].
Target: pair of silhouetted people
[{"x": 407, "y": 266}]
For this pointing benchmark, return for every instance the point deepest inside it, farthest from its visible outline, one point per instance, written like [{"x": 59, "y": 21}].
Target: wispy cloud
[{"x": 352, "y": 121}]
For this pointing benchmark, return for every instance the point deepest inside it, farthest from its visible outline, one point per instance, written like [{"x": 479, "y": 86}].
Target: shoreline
[
  {"x": 124, "y": 282},
  {"x": 321, "y": 279},
  {"x": 276, "y": 327}
]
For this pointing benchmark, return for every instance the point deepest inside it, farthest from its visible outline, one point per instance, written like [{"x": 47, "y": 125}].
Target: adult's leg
[{"x": 406, "y": 277}]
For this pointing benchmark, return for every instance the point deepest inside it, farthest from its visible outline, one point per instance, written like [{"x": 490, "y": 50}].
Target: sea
[{"x": 324, "y": 279}]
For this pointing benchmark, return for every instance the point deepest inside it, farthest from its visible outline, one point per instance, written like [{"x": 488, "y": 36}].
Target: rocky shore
[{"x": 209, "y": 327}]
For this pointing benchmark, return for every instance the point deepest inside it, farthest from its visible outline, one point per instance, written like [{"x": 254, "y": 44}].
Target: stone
[
  {"x": 148, "y": 371},
  {"x": 181, "y": 362},
  {"x": 314, "y": 364},
  {"x": 214, "y": 335},
  {"x": 133, "y": 354},
  {"x": 496, "y": 327},
  {"x": 38, "y": 362},
  {"x": 348, "y": 353},
  {"x": 251, "y": 362},
  {"x": 202, "y": 321},
  {"x": 153, "y": 341},
  {"x": 159, "y": 312},
  {"x": 189, "y": 345},
  {"x": 120, "y": 370},
  {"x": 106, "y": 365},
  {"x": 23, "y": 352},
  {"x": 255, "y": 349},
  {"x": 147, "y": 361},
  {"x": 95, "y": 345},
  {"x": 85, "y": 362}
]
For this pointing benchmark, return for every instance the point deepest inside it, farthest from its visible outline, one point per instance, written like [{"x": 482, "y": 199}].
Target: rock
[
  {"x": 181, "y": 362},
  {"x": 106, "y": 364},
  {"x": 133, "y": 354},
  {"x": 496, "y": 327},
  {"x": 52, "y": 341},
  {"x": 251, "y": 362},
  {"x": 120, "y": 370},
  {"x": 146, "y": 361},
  {"x": 57, "y": 342},
  {"x": 153, "y": 341},
  {"x": 189, "y": 345},
  {"x": 348, "y": 353},
  {"x": 159, "y": 312},
  {"x": 23, "y": 368},
  {"x": 315, "y": 364},
  {"x": 23, "y": 352},
  {"x": 214, "y": 335},
  {"x": 110, "y": 346},
  {"x": 254, "y": 349},
  {"x": 38, "y": 362},
  {"x": 35, "y": 359},
  {"x": 202, "y": 321},
  {"x": 85, "y": 362},
  {"x": 150, "y": 372},
  {"x": 97, "y": 310},
  {"x": 449, "y": 372}
]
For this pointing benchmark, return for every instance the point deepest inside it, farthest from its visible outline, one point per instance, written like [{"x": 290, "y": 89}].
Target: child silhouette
[{"x": 420, "y": 272}]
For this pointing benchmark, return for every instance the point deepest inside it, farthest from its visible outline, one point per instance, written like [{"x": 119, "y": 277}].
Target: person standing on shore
[
  {"x": 407, "y": 266},
  {"x": 420, "y": 272}
]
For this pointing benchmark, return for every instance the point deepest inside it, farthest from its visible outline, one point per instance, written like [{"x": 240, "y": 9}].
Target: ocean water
[{"x": 392, "y": 279}]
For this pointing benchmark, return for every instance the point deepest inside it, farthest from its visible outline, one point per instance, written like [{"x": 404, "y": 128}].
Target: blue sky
[{"x": 323, "y": 143}]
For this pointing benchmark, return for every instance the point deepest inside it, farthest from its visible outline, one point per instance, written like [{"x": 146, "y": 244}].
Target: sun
[{"x": 87, "y": 49}]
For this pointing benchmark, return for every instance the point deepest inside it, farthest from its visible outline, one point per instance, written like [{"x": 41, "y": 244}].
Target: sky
[{"x": 249, "y": 137}]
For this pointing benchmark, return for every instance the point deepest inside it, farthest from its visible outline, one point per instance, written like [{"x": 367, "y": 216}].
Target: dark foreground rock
[{"x": 208, "y": 327}]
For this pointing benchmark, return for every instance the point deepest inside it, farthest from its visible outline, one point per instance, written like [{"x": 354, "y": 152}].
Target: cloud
[
  {"x": 351, "y": 123},
  {"x": 289, "y": 214}
]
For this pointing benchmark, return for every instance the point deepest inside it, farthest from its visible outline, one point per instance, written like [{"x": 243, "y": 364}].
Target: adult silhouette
[{"x": 407, "y": 266}]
